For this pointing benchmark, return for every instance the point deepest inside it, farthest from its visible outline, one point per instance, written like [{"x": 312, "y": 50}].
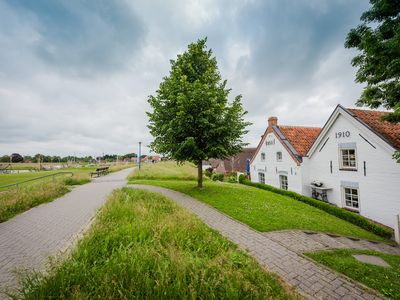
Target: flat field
[{"x": 168, "y": 170}]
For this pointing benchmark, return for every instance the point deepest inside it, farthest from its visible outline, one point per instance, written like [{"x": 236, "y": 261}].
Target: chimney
[{"x": 272, "y": 121}]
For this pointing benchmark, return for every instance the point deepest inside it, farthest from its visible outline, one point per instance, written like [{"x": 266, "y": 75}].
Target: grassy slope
[
  {"x": 13, "y": 202},
  {"x": 165, "y": 170},
  {"x": 384, "y": 280},
  {"x": 264, "y": 210},
  {"x": 144, "y": 246}
]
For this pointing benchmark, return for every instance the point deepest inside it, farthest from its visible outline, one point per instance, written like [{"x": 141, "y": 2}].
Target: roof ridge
[
  {"x": 367, "y": 110},
  {"x": 299, "y": 126}
]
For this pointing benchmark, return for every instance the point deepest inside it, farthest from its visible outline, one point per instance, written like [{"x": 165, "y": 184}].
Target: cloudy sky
[{"x": 75, "y": 75}]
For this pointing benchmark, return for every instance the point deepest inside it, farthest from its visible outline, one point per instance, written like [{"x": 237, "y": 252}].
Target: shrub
[
  {"x": 208, "y": 172},
  {"x": 217, "y": 177},
  {"x": 329, "y": 208}
]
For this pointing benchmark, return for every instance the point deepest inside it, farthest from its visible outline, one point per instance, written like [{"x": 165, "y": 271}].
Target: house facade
[
  {"x": 279, "y": 155},
  {"x": 352, "y": 159}
]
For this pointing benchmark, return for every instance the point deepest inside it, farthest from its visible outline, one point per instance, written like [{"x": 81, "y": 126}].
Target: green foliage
[
  {"x": 378, "y": 40},
  {"x": 242, "y": 178},
  {"x": 329, "y": 208},
  {"x": 217, "y": 177},
  {"x": 264, "y": 210},
  {"x": 232, "y": 178},
  {"x": 143, "y": 246},
  {"x": 384, "y": 280},
  {"x": 192, "y": 119}
]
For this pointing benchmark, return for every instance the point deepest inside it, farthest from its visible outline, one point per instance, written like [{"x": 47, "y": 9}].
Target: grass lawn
[
  {"x": 384, "y": 280},
  {"x": 168, "y": 170},
  {"x": 264, "y": 210},
  {"x": 143, "y": 246}
]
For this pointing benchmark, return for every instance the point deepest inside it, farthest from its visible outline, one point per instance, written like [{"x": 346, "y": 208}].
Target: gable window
[
  {"x": 283, "y": 181},
  {"x": 261, "y": 177},
  {"x": 348, "y": 159},
  {"x": 279, "y": 156},
  {"x": 263, "y": 156},
  {"x": 350, "y": 197}
]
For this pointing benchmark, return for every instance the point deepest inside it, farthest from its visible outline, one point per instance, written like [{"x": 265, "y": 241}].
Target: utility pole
[{"x": 139, "y": 156}]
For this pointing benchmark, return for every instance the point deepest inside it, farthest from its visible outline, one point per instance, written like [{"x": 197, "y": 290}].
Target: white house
[
  {"x": 279, "y": 155},
  {"x": 352, "y": 158}
]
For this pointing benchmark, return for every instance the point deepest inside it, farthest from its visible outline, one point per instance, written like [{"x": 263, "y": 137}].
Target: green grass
[
  {"x": 264, "y": 210},
  {"x": 384, "y": 280},
  {"x": 143, "y": 246},
  {"x": 15, "y": 201},
  {"x": 169, "y": 170},
  {"x": 31, "y": 194}
]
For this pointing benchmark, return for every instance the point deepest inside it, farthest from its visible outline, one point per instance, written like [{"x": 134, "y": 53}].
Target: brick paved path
[
  {"x": 308, "y": 278},
  {"x": 301, "y": 241},
  {"x": 27, "y": 240}
]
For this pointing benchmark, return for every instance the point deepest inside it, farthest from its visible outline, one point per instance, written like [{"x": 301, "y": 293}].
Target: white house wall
[
  {"x": 379, "y": 187},
  {"x": 273, "y": 168}
]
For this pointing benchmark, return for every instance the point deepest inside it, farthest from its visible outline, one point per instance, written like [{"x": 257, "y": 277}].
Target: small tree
[{"x": 192, "y": 119}]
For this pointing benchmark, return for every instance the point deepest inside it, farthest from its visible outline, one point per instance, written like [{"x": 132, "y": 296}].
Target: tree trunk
[{"x": 200, "y": 174}]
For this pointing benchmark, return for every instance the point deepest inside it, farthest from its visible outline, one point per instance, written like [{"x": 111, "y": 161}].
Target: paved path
[
  {"x": 301, "y": 241},
  {"x": 27, "y": 240},
  {"x": 308, "y": 278}
]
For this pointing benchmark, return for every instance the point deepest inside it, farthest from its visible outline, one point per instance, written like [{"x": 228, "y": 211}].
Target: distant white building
[
  {"x": 350, "y": 157},
  {"x": 279, "y": 155}
]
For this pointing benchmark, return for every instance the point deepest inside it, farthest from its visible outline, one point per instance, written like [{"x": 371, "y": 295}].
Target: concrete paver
[
  {"x": 309, "y": 279},
  {"x": 28, "y": 239}
]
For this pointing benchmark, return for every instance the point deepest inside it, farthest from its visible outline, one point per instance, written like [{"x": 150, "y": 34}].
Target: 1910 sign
[{"x": 342, "y": 134}]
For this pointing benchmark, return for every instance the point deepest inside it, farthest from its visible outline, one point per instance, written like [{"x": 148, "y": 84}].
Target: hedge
[
  {"x": 217, "y": 177},
  {"x": 329, "y": 208}
]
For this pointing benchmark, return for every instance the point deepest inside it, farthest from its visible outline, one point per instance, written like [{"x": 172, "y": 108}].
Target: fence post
[
  {"x": 54, "y": 179},
  {"x": 17, "y": 186},
  {"x": 397, "y": 229}
]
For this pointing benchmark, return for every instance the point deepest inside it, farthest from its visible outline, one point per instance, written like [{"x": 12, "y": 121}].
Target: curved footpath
[
  {"x": 27, "y": 240},
  {"x": 309, "y": 279}
]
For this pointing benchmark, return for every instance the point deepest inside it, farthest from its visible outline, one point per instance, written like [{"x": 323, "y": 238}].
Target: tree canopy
[
  {"x": 192, "y": 118},
  {"x": 378, "y": 40}
]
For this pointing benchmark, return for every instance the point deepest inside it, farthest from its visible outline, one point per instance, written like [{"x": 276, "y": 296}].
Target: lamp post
[{"x": 139, "y": 156}]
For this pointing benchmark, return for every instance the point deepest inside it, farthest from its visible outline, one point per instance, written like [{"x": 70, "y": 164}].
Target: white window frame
[
  {"x": 282, "y": 184},
  {"x": 279, "y": 156},
  {"x": 261, "y": 175},
  {"x": 341, "y": 161},
  {"x": 262, "y": 156},
  {"x": 347, "y": 195}
]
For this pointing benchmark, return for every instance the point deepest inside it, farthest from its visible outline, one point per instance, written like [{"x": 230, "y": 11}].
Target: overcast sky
[{"x": 75, "y": 75}]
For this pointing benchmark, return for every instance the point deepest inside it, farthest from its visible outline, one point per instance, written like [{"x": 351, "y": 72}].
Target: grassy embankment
[
  {"x": 15, "y": 201},
  {"x": 386, "y": 280},
  {"x": 143, "y": 246},
  {"x": 260, "y": 209}
]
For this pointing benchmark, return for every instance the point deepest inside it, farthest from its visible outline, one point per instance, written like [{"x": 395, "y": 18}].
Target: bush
[
  {"x": 217, "y": 177},
  {"x": 329, "y": 208},
  {"x": 232, "y": 178},
  {"x": 208, "y": 172}
]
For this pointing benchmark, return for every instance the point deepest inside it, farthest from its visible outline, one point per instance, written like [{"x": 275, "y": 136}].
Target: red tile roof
[
  {"x": 301, "y": 138},
  {"x": 389, "y": 131}
]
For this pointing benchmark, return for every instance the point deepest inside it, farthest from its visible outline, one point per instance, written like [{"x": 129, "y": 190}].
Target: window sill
[
  {"x": 346, "y": 169},
  {"x": 354, "y": 210}
]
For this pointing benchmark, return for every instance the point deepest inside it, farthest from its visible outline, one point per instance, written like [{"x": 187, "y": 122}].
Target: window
[
  {"x": 263, "y": 156},
  {"x": 261, "y": 178},
  {"x": 279, "y": 156},
  {"x": 283, "y": 182},
  {"x": 348, "y": 159},
  {"x": 350, "y": 196}
]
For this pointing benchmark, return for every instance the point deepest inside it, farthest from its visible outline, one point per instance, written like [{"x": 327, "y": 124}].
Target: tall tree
[
  {"x": 192, "y": 118},
  {"x": 378, "y": 40}
]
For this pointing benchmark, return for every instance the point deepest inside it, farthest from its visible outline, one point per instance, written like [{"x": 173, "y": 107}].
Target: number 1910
[{"x": 342, "y": 134}]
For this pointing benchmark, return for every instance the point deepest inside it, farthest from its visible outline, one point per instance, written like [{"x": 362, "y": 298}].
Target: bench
[{"x": 100, "y": 171}]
